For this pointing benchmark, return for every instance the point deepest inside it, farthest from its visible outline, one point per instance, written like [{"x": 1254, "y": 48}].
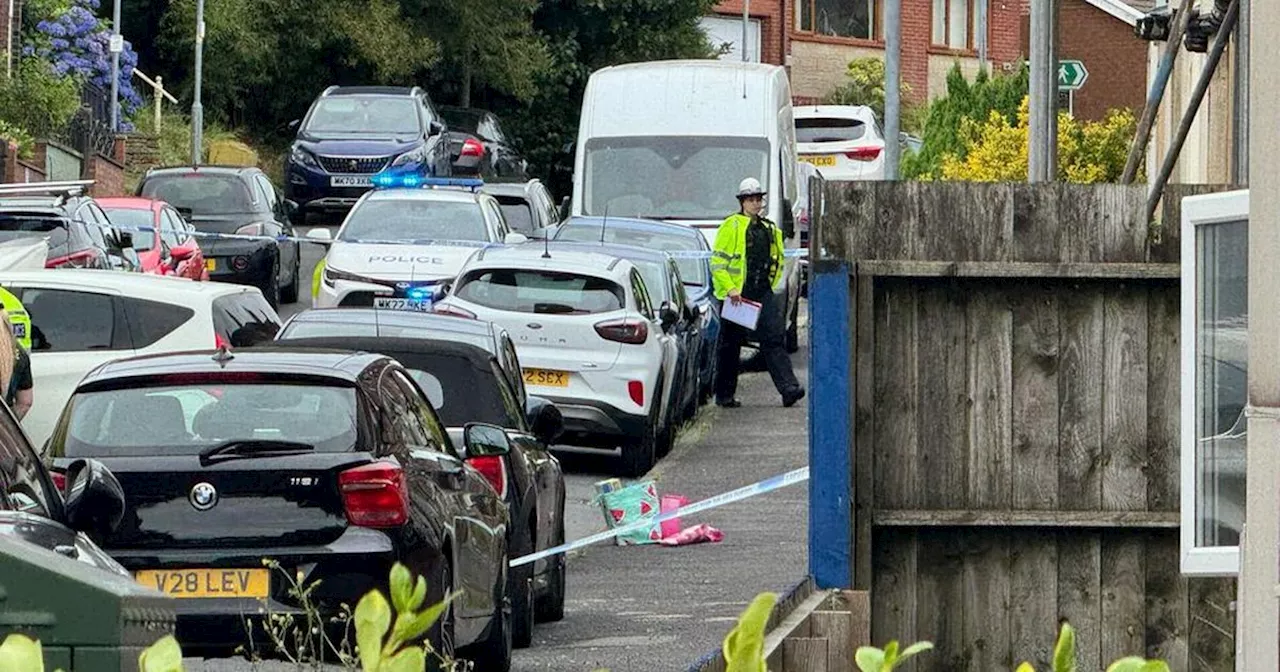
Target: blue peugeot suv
[{"x": 352, "y": 133}]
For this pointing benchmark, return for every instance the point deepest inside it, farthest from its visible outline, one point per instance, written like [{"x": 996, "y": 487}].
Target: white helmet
[{"x": 750, "y": 187}]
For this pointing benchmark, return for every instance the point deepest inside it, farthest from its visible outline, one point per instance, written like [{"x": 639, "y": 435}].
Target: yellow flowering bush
[{"x": 996, "y": 150}]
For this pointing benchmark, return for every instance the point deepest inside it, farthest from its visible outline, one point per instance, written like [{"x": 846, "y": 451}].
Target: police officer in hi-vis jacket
[{"x": 746, "y": 263}]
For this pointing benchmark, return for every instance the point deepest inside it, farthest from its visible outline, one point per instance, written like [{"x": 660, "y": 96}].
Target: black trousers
[{"x": 771, "y": 335}]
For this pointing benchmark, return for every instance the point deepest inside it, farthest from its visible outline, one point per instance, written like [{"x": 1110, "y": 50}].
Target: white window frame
[{"x": 1198, "y": 211}]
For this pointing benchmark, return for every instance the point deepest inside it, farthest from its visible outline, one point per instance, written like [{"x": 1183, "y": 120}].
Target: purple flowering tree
[{"x": 76, "y": 43}]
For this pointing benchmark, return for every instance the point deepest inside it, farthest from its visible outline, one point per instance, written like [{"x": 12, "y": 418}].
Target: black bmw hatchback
[{"x": 332, "y": 463}]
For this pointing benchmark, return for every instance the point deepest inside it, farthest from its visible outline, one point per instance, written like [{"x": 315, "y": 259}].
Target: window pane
[
  {"x": 804, "y": 14},
  {"x": 844, "y": 18},
  {"x": 69, "y": 321},
  {"x": 1221, "y": 361},
  {"x": 939, "y": 22},
  {"x": 958, "y": 24}
]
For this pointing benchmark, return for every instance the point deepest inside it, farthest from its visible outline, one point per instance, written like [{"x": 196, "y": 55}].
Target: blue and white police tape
[
  {"x": 767, "y": 485},
  {"x": 423, "y": 242}
]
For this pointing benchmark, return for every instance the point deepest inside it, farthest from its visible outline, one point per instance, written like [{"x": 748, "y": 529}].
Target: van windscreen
[{"x": 670, "y": 177}]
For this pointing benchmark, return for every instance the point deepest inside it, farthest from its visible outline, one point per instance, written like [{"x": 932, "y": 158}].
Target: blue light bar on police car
[{"x": 414, "y": 180}]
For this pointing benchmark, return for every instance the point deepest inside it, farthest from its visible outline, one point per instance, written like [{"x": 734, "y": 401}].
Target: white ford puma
[
  {"x": 398, "y": 246},
  {"x": 588, "y": 336}
]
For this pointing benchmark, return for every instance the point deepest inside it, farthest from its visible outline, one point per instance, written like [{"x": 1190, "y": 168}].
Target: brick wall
[
  {"x": 772, "y": 26},
  {"x": 818, "y": 61},
  {"x": 1115, "y": 58},
  {"x": 107, "y": 175},
  {"x": 14, "y": 169}
]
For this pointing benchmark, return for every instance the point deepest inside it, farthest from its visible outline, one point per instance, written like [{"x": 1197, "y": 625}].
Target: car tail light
[
  {"x": 635, "y": 388},
  {"x": 240, "y": 263},
  {"x": 472, "y": 147},
  {"x": 493, "y": 469},
  {"x": 626, "y": 330},
  {"x": 863, "y": 153},
  {"x": 454, "y": 310},
  {"x": 59, "y": 480},
  {"x": 375, "y": 495},
  {"x": 81, "y": 259}
]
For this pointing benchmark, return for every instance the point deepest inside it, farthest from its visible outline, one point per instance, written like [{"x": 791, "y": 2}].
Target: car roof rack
[{"x": 65, "y": 188}]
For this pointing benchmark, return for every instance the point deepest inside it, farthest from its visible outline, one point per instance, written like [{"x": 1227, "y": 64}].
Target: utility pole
[
  {"x": 892, "y": 86},
  {"x": 197, "y": 109},
  {"x": 746, "y": 26},
  {"x": 1042, "y": 142},
  {"x": 116, "y": 46}
]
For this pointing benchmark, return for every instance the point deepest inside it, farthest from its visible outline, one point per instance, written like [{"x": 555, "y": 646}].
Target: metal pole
[
  {"x": 746, "y": 23},
  {"x": 1258, "y": 617},
  {"x": 1240, "y": 108},
  {"x": 981, "y": 36},
  {"x": 892, "y": 86},
  {"x": 1051, "y": 120},
  {"x": 1042, "y": 92},
  {"x": 197, "y": 110},
  {"x": 1189, "y": 117},
  {"x": 1156, "y": 95},
  {"x": 116, "y": 46},
  {"x": 159, "y": 91}
]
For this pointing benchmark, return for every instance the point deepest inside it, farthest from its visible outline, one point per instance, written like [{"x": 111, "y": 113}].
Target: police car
[{"x": 404, "y": 241}]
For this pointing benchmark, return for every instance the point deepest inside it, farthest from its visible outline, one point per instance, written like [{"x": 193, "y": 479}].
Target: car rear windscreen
[
  {"x": 536, "y": 291},
  {"x": 829, "y": 129},
  {"x": 189, "y": 418},
  {"x": 17, "y": 225},
  {"x": 132, "y": 219},
  {"x": 517, "y": 212},
  {"x": 203, "y": 193}
]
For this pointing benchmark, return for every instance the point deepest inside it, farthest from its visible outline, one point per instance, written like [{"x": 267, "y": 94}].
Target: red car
[{"x": 169, "y": 249}]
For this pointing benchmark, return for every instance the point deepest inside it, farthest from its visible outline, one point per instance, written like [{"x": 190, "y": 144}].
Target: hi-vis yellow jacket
[
  {"x": 729, "y": 255},
  {"x": 19, "y": 320}
]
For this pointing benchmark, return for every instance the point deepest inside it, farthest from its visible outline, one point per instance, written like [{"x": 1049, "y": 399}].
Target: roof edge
[{"x": 1119, "y": 10}]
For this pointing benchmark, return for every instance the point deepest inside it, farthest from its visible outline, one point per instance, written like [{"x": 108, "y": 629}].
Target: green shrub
[
  {"x": 943, "y": 124},
  {"x": 36, "y": 100}
]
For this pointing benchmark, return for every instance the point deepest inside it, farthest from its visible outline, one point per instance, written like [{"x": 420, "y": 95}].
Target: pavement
[{"x": 654, "y": 608}]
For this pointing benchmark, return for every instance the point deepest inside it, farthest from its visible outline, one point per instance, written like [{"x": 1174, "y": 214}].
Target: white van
[{"x": 671, "y": 140}]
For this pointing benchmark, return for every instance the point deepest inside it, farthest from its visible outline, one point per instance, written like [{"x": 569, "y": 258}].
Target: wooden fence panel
[{"x": 1017, "y": 425}]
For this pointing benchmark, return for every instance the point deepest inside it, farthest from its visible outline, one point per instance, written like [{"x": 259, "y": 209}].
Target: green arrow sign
[{"x": 1071, "y": 75}]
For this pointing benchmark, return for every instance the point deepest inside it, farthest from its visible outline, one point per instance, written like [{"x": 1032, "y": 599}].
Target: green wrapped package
[{"x": 631, "y": 504}]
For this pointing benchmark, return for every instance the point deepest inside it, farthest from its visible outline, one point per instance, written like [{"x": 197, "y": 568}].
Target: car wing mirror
[
  {"x": 94, "y": 502},
  {"x": 545, "y": 420},
  {"x": 484, "y": 440}
]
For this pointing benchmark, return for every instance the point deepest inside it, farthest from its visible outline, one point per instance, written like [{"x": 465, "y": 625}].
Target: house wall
[
  {"x": 1115, "y": 58},
  {"x": 818, "y": 62},
  {"x": 770, "y": 13}
]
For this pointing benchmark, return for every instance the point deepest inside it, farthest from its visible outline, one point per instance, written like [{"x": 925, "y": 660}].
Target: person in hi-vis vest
[
  {"x": 15, "y": 362},
  {"x": 746, "y": 263}
]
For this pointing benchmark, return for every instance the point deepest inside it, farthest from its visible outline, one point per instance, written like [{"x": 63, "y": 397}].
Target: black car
[
  {"x": 479, "y": 146},
  {"x": 353, "y": 132},
  {"x": 527, "y": 206},
  {"x": 79, "y": 233},
  {"x": 332, "y": 463},
  {"x": 32, "y": 507},
  {"x": 241, "y": 201},
  {"x": 466, "y": 381}
]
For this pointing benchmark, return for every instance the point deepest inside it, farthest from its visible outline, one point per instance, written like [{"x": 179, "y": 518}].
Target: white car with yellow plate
[
  {"x": 589, "y": 339},
  {"x": 400, "y": 245}
]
